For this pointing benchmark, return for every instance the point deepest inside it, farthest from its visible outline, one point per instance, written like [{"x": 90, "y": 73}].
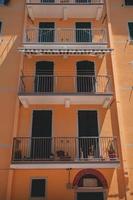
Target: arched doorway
[{"x": 90, "y": 184}]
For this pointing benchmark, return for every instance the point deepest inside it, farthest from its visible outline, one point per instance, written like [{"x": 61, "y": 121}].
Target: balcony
[
  {"x": 44, "y": 89},
  {"x": 71, "y": 151},
  {"x": 65, "y": 41},
  {"x": 65, "y": 8}
]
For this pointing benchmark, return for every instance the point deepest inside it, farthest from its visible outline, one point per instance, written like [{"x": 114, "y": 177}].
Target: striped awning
[{"x": 65, "y": 51}]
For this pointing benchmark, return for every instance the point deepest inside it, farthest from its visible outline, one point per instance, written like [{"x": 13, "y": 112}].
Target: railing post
[{"x": 77, "y": 148}]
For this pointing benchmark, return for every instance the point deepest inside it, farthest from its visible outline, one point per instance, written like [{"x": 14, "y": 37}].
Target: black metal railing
[
  {"x": 65, "y": 84},
  {"x": 67, "y": 36},
  {"x": 65, "y": 149}
]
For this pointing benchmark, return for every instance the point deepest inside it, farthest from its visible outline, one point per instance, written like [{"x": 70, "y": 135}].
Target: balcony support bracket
[
  {"x": 65, "y": 13},
  {"x": 99, "y": 13},
  {"x": 106, "y": 102},
  {"x": 67, "y": 103},
  {"x": 25, "y": 102},
  {"x": 30, "y": 11}
]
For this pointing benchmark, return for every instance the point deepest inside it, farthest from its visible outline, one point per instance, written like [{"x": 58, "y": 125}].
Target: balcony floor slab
[
  {"x": 75, "y": 99},
  {"x": 65, "y": 10},
  {"x": 62, "y": 165}
]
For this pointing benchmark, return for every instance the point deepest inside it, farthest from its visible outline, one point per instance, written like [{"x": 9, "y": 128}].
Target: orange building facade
[{"x": 66, "y": 80}]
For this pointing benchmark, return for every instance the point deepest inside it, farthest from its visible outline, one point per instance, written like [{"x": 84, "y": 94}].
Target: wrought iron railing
[
  {"x": 65, "y": 36},
  {"x": 64, "y": 149},
  {"x": 65, "y": 84},
  {"x": 86, "y": 2}
]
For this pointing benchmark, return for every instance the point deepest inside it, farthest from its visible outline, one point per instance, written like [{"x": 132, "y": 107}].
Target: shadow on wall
[
  {"x": 122, "y": 185},
  {"x": 6, "y": 44}
]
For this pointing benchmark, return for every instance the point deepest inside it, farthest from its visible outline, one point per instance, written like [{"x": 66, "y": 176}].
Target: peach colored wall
[
  {"x": 118, "y": 18},
  {"x": 61, "y": 115},
  {"x": 12, "y": 18},
  {"x": 69, "y": 23},
  {"x": 12, "y": 23},
  {"x": 65, "y": 66},
  {"x": 58, "y": 190}
]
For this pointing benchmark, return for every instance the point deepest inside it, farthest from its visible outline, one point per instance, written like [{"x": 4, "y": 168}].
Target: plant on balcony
[
  {"x": 111, "y": 151},
  {"x": 91, "y": 152},
  {"x": 51, "y": 156},
  {"x": 60, "y": 154},
  {"x": 17, "y": 154}
]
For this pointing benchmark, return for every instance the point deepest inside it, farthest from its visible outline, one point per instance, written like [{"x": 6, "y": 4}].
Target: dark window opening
[
  {"x": 38, "y": 188},
  {"x": 83, "y": 32},
  {"x": 44, "y": 80},
  {"x": 85, "y": 76},
  {"x": 88, "y": 133},
  {"x": 90, "y": 195},
  {"x": 82, "y": 1},
  {"x": 46, "y": 31},
  {"x": 47, "y": 1},
  {"x": 129, "y": 2},
  {"x": 3, "y": 2},
  {"x": 41, "y": 128},
  {"x": 0, "y": 27},
  {"x": 130, "y": 26}
]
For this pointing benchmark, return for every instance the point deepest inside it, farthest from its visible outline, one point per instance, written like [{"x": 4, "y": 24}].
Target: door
[
  {"x": 41, "y": 134},
  {"x": 90, "y": 196},
  {"x": 88, "y": 133},
  {"x": 83, "y": 32},
  {"x": 85, "y": 77},
  {"x": 46, "y": 32},
  {"x": 44, "y": 79}
]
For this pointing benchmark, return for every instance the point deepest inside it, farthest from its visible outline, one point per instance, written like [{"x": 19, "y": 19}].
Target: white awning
[{"x": 65, "y": 51}]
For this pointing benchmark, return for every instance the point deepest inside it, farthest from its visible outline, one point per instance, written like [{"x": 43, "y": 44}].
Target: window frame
[
  {"x": 30, "y": 188},
  {"x": 129, "y": 38}
]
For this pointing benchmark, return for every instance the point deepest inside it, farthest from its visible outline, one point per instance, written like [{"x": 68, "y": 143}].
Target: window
[
  {"x": 0, "y": 27},
  {"x": 38, "y": 188},
  {"x": 129, "y": 2},
  {"x": 130, "y": 27},
  {"x": 3, "y": 2}
]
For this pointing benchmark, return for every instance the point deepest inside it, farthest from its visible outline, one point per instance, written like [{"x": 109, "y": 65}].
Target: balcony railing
[
  {"x": 87, "y": 2},
  {"x": 65, "y": 149},
  {"x": 66, "y": 36},
  {"x": 65, "y": 84}
]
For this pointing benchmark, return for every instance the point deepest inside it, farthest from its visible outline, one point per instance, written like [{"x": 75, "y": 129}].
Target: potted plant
[
  {"x": 111, "y": 151},
  {"x": 51, "y": 156},
  {"x": 18, "y": 153},
  {"x": 60, "y": 154},
  {"x": 91, "y": 152}
]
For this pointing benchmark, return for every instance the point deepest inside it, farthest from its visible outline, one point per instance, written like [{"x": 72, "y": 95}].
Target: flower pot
[{"x": 112, "y": 156}]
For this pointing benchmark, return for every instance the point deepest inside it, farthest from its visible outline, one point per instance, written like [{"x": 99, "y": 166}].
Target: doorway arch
[{"x": 90, "y": 184}]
